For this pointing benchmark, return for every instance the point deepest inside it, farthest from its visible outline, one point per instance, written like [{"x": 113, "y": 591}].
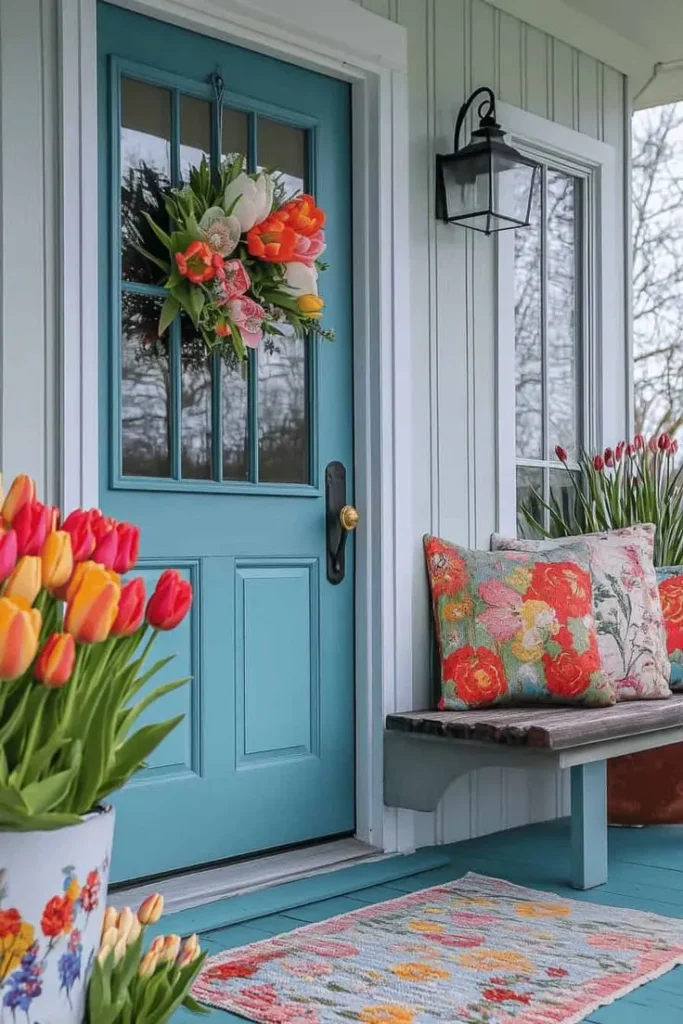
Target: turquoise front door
[{"x": 225, "y": 472}]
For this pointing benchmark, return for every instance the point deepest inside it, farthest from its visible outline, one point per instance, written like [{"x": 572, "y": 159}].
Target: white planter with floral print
[{"x": 53, "y": 891}]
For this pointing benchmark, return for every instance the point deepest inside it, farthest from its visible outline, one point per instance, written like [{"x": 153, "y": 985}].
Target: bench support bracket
[{"x": 589, "y": 824}]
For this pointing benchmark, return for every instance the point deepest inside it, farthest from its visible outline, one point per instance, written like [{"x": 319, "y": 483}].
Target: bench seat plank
[{"x": 550, "y": 728}]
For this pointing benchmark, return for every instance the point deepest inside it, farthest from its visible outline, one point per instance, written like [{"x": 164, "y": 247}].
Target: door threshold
[{"x": 195, "y": 888}]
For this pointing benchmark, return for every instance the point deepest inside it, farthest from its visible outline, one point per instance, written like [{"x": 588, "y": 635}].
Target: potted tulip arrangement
[
  {"x": 635, "y": 482},
  {"x": 129, "y": 986},
  {"x": 640, "y": 481},
  {"x": 74, "y": 647}
]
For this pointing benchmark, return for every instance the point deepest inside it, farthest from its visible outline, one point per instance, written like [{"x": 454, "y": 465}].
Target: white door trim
[{"x": 341, "y": 39}]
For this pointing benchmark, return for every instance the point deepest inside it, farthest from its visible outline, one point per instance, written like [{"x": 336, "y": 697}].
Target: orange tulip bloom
[
  {"x": 57, "y": 559},
  {"x": 22, "y": 492},
  {"x": 55, "y": 663},
  {"x": 92, "y": 604},
  {"x": 19, "y": 632},
  {"x": 24, "y": 581},
  {"x": 196, "y": 263},
  {"x": 272, "y": 241},
  {"x": 302, "y": 215}
]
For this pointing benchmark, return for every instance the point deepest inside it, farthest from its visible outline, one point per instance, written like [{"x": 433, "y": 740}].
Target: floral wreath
[{"x": 244, "y": 257}]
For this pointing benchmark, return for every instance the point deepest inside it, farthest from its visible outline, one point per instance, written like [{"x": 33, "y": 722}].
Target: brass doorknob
[{"x": 349, "y": 518}]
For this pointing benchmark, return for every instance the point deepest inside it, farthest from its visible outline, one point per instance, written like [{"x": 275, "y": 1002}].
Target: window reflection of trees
[
  {"x": 283, "y": 418},
  {"x": 561, "y": 315},
  {"x": 528, "y": 335}
]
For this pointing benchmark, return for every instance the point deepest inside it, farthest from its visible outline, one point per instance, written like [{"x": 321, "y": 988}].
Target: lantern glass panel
[{"x": 512, "y": 183}]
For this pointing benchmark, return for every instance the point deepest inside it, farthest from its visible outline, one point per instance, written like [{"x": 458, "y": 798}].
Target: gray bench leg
[{"x": 589, "y": 825}]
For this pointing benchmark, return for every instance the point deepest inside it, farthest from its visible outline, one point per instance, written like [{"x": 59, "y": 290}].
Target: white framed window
[{"x": 555, "y": 327}]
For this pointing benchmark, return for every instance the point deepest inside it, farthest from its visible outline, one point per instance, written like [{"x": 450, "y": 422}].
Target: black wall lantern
[{"x": 487, "y": 185}]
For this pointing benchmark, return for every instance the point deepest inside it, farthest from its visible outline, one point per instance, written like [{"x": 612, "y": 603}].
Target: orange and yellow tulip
[
  {"x": 22, "y": 492},
  {"x": 92, "y": 605},
  {"x": 25, "y": 580},
  {"x": 148, "y": 964},
  {"x": 19, "y": 632},
  {"x": 55, "y": 663},
  {"x": 151, "y": 909},
  {"x": 57, "y": 561},
  {"x": 170, "y": 950}
]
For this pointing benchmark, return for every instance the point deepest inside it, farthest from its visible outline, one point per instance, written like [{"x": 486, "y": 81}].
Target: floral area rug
[{"x": 477, "y": 951}]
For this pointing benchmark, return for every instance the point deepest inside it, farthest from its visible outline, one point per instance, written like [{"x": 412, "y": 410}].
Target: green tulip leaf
[
  {"x": 48, "y": 793},
  {"x": 169, "y": 312}
]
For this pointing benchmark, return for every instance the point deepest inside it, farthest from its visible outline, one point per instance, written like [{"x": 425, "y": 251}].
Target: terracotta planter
[
  {"x": 53, "y": 891},
  {"x": 647, "y": 788}
]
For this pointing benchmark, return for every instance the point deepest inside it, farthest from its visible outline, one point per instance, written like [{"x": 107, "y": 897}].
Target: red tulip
[
  {"x": 674, "y": 447},
  {"x": 561, "y": 453},
  {"x": 32, "y": 524},
  {"x": 77, "y": 523},
  {"x": 170, "y": 602},
  {"x": 8, "y": 553},
  {"x": 131, "y": 608},
  {"x": 128, "y": 541},
  {"x": 619, "y": 450},
  {"x": 664, "y": 442},
  {"x": 653, "y": 443},
  {"x": 630, "y": 450},
  {"x": 55, "y": 663},
  {"x": 609, "y": 457},
  {"x": 599, "y": 463},
  {"x": 639, "y": 442}
]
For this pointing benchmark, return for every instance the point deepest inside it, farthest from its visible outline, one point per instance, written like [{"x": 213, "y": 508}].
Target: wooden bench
[{"x": 424, "y": 751}]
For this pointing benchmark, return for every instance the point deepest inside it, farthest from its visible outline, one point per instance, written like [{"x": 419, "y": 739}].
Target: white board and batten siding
[{"x": 454, "y": 47}]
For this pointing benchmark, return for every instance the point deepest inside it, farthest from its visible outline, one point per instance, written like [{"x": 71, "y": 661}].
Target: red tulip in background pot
[{"x": 74, "y": 647}]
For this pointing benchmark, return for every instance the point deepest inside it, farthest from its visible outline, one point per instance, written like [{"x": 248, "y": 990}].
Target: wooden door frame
[{"x": 337, "y": 38}]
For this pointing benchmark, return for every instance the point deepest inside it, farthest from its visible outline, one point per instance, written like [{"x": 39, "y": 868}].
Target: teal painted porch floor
[{"x": 645, "y": 873}]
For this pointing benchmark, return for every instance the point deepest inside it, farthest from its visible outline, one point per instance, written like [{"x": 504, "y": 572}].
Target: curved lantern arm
[{"x": 487, "y": 118}]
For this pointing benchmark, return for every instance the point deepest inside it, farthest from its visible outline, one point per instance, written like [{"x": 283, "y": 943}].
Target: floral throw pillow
[
  {"x": 631, "y": 636},
  {"x": 670, "y": 581},
  {"x": 515, "y": 628}
]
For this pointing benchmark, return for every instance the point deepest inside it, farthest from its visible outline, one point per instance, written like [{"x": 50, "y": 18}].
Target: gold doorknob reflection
[{"x": 349, "y": 518}]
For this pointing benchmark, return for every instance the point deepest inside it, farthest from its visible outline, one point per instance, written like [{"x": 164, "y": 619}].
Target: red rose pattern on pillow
[
  {"x": 515, "y": 628},
  {"x": 670, "y": 583}
]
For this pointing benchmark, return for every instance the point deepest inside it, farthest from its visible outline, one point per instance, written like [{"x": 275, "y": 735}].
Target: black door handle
[{"x": 341, "y": 519}]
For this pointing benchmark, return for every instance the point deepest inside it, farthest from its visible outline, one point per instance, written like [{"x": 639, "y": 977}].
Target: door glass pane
[
  {"x": 283, "y": 410},
  {"x": 561, "y": 258},
  {"x": 195, "y": 133},
  {"x": 195, "y": 418},
  {"x": 145, "y": 172},
  {"x": 529, "y": 334},
  {"x": 234, "y": 418},
  {"x": 235, "y": 137},
  {"x": 282, "y": 147},
  {"x": 529, "y": 479},
  {"x": 145, "y": 389}
]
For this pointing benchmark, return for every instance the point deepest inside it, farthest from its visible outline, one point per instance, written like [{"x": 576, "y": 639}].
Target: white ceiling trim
[
  {"x": 586, "y": 34},
  {"x": 664, "y": 86}
]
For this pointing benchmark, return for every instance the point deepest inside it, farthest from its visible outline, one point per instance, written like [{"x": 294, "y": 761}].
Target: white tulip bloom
[
  {"x": 254, "y": 199},
  {"x": 300, "y": 279}
]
